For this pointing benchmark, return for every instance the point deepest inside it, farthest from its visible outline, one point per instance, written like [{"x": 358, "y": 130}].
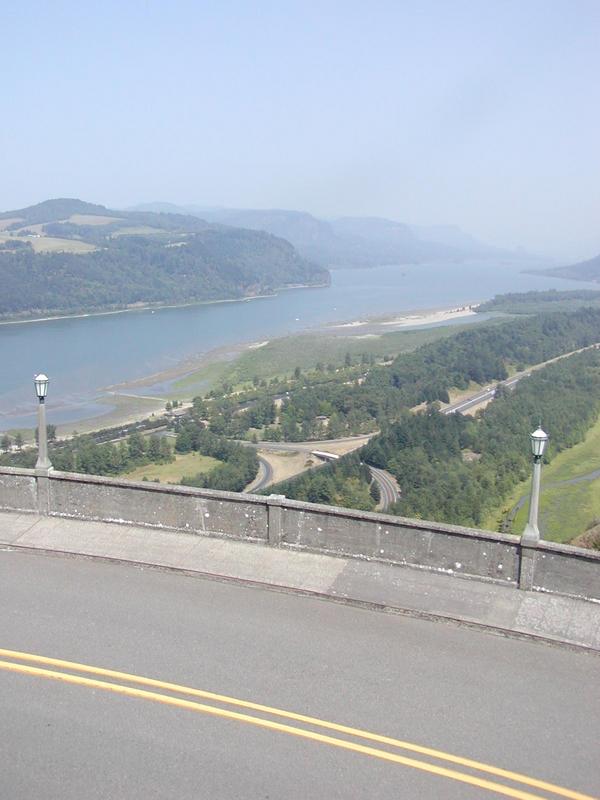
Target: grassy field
[
  {"x": 6, "y": 223},
  {"x": 567, "y": 510},
  {"x": 51, "y": 244},
  {"x": 188, "y": 464},
  {"x": 279, "y": 358},
  {"x": 92, "y": 219},
  {"x": 200, "y": 381},
  {"x": 139, "y": 230}
]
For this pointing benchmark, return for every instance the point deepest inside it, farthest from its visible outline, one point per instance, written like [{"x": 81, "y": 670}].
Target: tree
[
  {"x": 199, "y": 408},
  {"x": 184, "y": 441},
  {"x": 19, "y": 440},
  {"x": 137, "y": 445},
  {"x": 375, "y": 491},
  {"x": 165, "y": 450},
  {"x": 154, "y": 452},
  {"x": 6, "y": 442},
  {"x": 50, "y": 434}
]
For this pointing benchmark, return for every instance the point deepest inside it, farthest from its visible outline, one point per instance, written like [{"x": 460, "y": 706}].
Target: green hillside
[
  {"x": 582, "y": 271},
  {"x": 65, "y": 256}
]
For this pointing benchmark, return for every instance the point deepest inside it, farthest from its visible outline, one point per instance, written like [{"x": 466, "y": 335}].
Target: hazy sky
[{"x": 483, "y": 113}]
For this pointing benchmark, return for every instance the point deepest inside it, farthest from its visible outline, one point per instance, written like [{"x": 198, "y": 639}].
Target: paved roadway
[
  {"x": 308, "y": 447},
  {"x": 486, "y": 394},
  {"x": 515, "y": 705},
  {"x": 263, "y": 478},
  {"x": 387, "y": 487}
]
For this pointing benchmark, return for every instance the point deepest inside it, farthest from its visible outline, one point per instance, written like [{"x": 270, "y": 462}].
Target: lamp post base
[{"x": 531, "y": 534}]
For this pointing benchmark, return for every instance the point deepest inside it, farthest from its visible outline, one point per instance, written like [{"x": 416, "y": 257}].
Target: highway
[
  {"x": 485, "y": 394},
  {"x": 488, "y": 393},
  {"x": 263, "y": 478},
  {"x": 183, "y": 687},
  {"x": 387, "y": 487}
]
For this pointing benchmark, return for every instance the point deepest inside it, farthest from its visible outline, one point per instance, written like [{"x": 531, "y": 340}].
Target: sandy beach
[
  {"x": 431, "y": 317},
  {"x": 410, "y": 320}
]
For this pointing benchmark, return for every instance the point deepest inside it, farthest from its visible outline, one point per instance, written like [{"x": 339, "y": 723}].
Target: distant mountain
[
  {"x": 581, "y": 271},
  {"x": 65, "y": 255},
  {"x": 349, "y": 241},
  {"x": 161, "y": 208},
  {"x": 53, "y": 210},
  {"x": 453, "y": 236}
]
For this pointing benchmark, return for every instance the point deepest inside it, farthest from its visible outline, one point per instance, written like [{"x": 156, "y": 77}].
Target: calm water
[{"x": 84, "y": 355}]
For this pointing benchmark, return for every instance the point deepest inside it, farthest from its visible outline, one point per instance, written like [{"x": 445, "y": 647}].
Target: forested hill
[
  {"x": 65, "y": 256},
  {"x": 582, "y": 271},
  {"x": 541, "y": 302},
  {"x": 455, "y": 468}
]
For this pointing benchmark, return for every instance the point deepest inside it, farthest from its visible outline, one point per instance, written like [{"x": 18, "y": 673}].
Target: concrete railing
[{"x": 280, "y": 522}]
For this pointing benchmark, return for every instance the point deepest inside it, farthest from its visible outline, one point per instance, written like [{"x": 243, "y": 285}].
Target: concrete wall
[
  {"x": 278, "y": 521},
  {"x": 563, "y": 569},
  {"x": 173, "y": 507},
  {"x": 381, "y": 537},
  {"x": 18, "y": 489}
]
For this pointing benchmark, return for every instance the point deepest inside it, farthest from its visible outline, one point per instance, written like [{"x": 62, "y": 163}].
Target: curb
[{"x": 457, "y": 621}]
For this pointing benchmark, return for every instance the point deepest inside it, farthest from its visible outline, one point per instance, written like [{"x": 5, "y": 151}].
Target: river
[{"x": 84, "y": 355}]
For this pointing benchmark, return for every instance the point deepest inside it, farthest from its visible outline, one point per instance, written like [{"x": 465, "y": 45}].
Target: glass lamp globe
[
  {"x": 41, "y": 385},
  {"x": 539, "y": 440}
]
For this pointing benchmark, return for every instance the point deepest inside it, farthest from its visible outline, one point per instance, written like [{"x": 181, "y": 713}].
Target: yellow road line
[
  {"x": 481, "y": 767},
  {"x": 298, "y": 718},
  {"x": 265, "y": 723}
]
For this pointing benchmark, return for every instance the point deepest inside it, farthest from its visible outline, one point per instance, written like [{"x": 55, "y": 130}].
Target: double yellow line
[{"x": 71, "y": 672}]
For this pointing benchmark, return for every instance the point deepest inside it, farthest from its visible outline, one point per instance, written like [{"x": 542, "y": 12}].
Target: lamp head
[
  {"x": 539, "y": 440},
  {"x": 41, "y": 386}
]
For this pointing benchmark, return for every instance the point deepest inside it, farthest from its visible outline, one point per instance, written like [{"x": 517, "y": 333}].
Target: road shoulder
[{"x": 415, "y": 592}]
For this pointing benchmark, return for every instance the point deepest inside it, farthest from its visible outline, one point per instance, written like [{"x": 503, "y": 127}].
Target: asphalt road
[
  {"x": 387, "y": 487},
  {"x": 485, "y": 394},
  {"x": 515, "y": 705},
  {"x": 305, "y": 446},
  {"x": 264, "y": 477}
]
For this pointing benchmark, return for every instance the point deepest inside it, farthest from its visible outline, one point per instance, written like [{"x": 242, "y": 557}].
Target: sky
[{"x": 479, "y": 113}]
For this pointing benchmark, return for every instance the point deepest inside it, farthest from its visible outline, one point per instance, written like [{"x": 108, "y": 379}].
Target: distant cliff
[{"x": 349, "y": 241}]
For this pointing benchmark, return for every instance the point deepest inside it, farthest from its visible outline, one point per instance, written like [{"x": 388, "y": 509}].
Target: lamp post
[
  {"x": 539, "y": 440},
  {"x": 41, "y": 389}
]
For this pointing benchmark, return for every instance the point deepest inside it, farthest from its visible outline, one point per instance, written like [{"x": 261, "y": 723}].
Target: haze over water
[{"x": 82, "y": 356}]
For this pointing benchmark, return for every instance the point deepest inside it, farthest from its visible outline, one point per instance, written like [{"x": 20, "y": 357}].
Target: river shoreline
[
  {"x": 188, "y": 348},
  {"x": 159, "y": 306},
  {"x": 377, "y": 325},
  {"x": 127, "y": 403}
]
